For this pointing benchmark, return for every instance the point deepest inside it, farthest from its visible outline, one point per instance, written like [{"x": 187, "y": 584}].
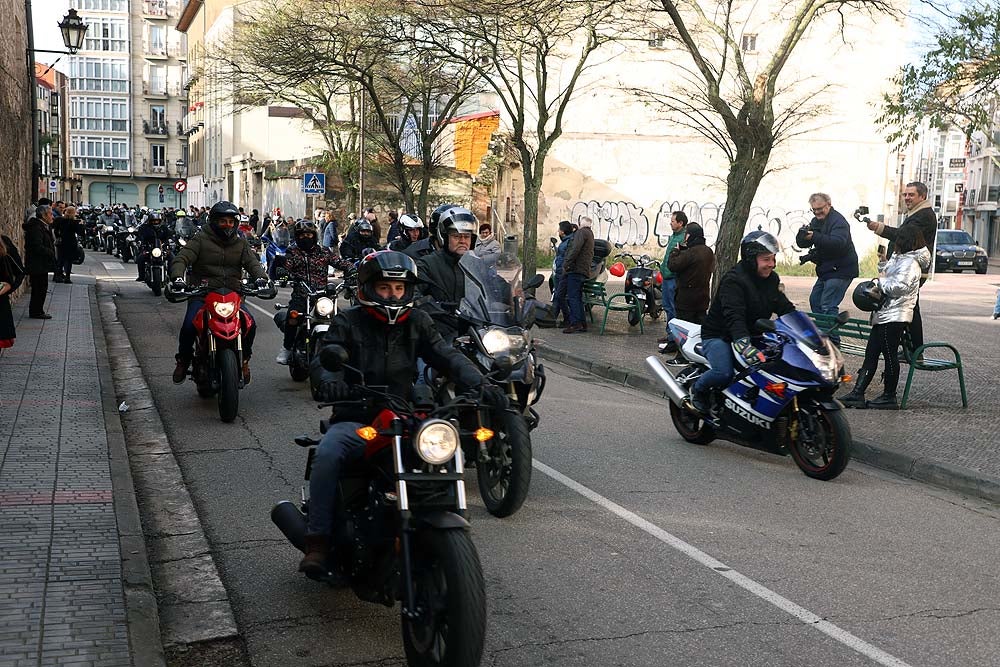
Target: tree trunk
[{"x": 745, "y": 175}]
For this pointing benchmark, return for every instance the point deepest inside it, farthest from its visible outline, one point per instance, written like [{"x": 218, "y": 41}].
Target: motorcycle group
[{"x": 431, "y": 370}]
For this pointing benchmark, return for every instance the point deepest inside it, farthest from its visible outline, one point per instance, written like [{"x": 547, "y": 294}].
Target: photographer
[{"x": 829, "y": 236}]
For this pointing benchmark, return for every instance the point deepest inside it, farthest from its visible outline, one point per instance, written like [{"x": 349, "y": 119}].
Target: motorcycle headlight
[
  {"x": 109, "y": 228},
  {"x": 499, "y": 341},
  {"x": 324, "y": 306},
  {"x": 157, "y": 252},
  {"x": 131, "y": 230},
  {"x": 224, "y": 309},
  {"x": 828, "y": 364},
  {"x": 182, "y": 242},
  {"x": 436, "y": 441}
]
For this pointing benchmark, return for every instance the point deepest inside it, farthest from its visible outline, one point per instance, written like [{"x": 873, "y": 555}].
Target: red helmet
[{"x": 617, "y": 269}]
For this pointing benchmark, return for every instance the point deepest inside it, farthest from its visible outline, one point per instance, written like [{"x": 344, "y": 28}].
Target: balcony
[
  {"x": 155, "y": 128},
  {"x": 155, "y": 9},
  {"x": 154, "y": 51},
  {"x": 155, "y": 89},
  {"x": 987, "y": 197}
]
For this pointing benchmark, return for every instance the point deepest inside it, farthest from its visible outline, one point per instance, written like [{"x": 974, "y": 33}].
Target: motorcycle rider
[
  {"x": 749, "y": 291},
  {"x": 217, "y": 256},
  {"x": 306, "y": 262},
  {"x": 383, "y": 336},
  {"x": 442, "y": 278},
  {"x": 428, "y": 244},
  {"x": 411, "y": 230},
  {"x": 151, "y": 234},
  {"x": 360, "y": 238}
]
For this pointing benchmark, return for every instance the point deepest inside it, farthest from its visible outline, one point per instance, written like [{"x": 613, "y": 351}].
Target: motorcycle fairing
[
  {"x": 225, "y": 328},
  {"x": 688, "y": 337}
]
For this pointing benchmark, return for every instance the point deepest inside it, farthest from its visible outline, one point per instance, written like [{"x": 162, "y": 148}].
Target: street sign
[
  {"x": 314, "y": 184},
  {"x": 956, "y": 163},
  {"x": 959, "y": 187},
  {"x": 180, "y": 185},
  {"x": 53, "y": 185}
]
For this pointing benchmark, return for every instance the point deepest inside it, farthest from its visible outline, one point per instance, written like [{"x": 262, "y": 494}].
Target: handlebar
[{"x": 267, "y": 292}]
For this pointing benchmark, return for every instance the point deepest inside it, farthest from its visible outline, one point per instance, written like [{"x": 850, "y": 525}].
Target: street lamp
[
  {"x": 110, "y": 166},
  {"x": 73, "y": 31}
]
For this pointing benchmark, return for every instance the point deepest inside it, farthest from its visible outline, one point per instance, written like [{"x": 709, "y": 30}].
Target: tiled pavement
[{"x": 62, "y": 598}]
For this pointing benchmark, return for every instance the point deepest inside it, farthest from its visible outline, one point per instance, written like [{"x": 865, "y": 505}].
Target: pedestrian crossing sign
[{"x": 314, "y": 184}]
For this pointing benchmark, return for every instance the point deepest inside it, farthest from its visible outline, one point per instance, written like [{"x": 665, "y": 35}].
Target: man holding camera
[{"x": 829, "y": 236}]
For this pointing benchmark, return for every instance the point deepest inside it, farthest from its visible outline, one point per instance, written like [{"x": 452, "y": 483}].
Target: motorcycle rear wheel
[
  {"x": 504, "y": 479},
  {"x": 298, "y": 373},
  {"x": 449, "y": 589},
  {"x": 691, "y": 427},
  {"x": 827, "y": 456},
  {"x": 229, "y": 385},
  {"x": 633, "y": 318}
]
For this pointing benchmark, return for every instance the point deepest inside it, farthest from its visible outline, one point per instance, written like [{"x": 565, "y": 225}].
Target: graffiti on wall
[{"x": 627, "y": 223}]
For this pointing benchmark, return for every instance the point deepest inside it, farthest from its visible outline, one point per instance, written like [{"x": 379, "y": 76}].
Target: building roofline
[
  {"x": 188, "y": 13},
  {"x": 474, "y": 116}
]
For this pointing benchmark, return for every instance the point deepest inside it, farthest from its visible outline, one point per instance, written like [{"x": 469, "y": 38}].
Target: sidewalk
[
  {"x": 74, "y": 581},
  {"x": 934, "y": 440}
]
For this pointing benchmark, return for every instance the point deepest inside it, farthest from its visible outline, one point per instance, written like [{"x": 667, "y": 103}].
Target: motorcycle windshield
[
  {"x": 490, "y": 290},
  {"x": 184, "y": 228},
  {"x": 281, "y": 237},
  {"x": 800, "y": 327}
]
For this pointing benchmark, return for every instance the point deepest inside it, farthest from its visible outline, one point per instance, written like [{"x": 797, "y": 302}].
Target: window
[
  {"x": 108, "y": 75},
  {"x": 159, "y": 156},
  {"x": 105, "y": 114},
  {"x": 90, "y": 152},
  {"x": 158, "y": 115},
  {"x": 749, "y": 43},
  {"x": 157, "y": 84},
  {"x": 157, "y": 40},
  {"x": 106, "y": 34},
  {"x": 103, "y": 5},
  {"x": 657, "y": 39}
]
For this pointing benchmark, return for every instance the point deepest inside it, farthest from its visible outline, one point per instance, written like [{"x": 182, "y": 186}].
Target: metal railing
[
  {"x": 155, "y": 8},
  {"x": 155, "y": 126}
]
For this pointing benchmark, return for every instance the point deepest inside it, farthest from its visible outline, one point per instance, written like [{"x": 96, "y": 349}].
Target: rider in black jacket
[
  {"x": 383, "y": 337},
  {"x": 750, "y": 291},
  {"x": 441, "y": 277},
  {"x": 150, "y": 234},
  {"x": 357, "y": 241}
]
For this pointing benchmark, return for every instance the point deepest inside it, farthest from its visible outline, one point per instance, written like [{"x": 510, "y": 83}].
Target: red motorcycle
[{"x": 217, "y": 367}]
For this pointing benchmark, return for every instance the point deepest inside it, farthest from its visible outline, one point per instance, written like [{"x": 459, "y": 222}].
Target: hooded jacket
[
  {"x": 742, "y": 299},
  {"x": 692, "y": 266},
  {"x": 899, "y": 280},
  {"x": 580, "y": 254},
  {"x": 219, "y": 261}
]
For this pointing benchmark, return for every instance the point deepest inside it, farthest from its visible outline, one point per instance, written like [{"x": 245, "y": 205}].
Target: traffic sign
[
  {"x": 180, "y": 185},
  {"x": 53, "y": 185},
  {"x": 314, "y": 184}
]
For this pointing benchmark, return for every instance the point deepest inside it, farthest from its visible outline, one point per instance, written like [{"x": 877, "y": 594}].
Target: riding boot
[
  {"x": 246, "y": 371},
  {"x": 887, "y": 401},
  {"x": 181, "y": 369},
  {"x": 314, "y": 564},
  {"x": 856, "y": 397}
]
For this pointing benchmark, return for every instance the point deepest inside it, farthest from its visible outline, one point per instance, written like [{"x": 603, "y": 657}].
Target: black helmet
[
  {"x": 868, "y": 296},
  {"x": 363, "y": 225},
  {"x": 758, "y": 243},
  {"x": 223, "y": 209},
  {"x": 457, "y": 220},
  {"x": 154, "y": 216},
  {"x": 303, "y": 227},
  {"x": 436, "y": 214},
  {"x": 386, "y": 265}
]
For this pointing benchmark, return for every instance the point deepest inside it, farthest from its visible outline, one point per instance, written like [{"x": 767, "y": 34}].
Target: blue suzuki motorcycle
[{"x": 784, "y": 405}]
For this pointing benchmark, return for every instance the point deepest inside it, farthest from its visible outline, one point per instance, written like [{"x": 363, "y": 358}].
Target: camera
[
  {"x": 810, "y": 256},
  {"x": 861, "y": 214}
]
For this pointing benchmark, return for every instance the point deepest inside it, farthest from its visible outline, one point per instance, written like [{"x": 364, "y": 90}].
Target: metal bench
[
  {"x": 854, "y": 336},
  {"x": 595, "y": 294}
]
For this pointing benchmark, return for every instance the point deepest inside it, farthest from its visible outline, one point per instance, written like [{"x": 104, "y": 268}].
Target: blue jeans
[
  {"x": 669, "y": 288},
  {"x": 559, "y": 304},
  {"x": 339, "y": 447},
  {"x": 188, "y": 334},
  {"x": 720, "y": 360},
  {"x": 826, "y": 296},
  {"x": 574, "y": 295}
]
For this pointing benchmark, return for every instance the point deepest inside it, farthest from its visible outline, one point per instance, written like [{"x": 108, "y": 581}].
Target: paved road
[{"x": 681, "y": 555}]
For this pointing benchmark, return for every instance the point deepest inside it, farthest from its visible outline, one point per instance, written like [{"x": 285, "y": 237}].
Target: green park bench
[
  {"x": 854, "y": 336},
  {"x": 596, "y": 295}
]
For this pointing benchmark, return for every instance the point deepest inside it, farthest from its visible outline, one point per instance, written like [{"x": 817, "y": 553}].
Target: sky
[{"x": 46, "y": 15}]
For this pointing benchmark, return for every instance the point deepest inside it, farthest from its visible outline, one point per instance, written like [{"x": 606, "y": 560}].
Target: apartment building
[
  {"x": 126, "y": 103},
  {"x": 982, "y": 188}
]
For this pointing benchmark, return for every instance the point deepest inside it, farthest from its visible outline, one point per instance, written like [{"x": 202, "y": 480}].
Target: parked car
[{"x": 957, "y": 251}]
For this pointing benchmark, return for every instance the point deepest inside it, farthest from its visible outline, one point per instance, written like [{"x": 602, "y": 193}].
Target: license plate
[
  {"x": 640, "y": 295},
  {"x": 965, "y": 263}
]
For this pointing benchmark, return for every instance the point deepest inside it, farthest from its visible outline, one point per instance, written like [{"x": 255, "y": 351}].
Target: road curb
[
  {"x": 137, "y": 581},
  {"x": 921, "y": 469},
  {"x": 194, "y": 609}
]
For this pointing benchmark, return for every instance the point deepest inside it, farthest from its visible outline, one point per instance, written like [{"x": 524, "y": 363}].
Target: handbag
[{"x": 80, "y": 255}]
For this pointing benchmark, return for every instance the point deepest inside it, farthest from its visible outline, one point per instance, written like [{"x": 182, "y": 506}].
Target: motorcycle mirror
[
  {"x": 619, "y": 245},
  {"x": 333, "y": 358},
  {"x": 764, "y": 325},
  {"x": 535, "y": 282}
]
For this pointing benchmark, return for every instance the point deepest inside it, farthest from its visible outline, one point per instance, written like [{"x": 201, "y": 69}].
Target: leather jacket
[
  {"x": 742, "y": 299},
  {"x": 899, "y": 280},
  {"x": 387, "y": 355}
]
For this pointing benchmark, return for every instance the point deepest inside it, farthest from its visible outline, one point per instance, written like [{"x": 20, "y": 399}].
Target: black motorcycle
[
  {"x": 107, "y": 237},
  {"x": 311, "y": 323},
  {"x": 642, "y": 280},
  {"x": 157, "y": 258},
  {"x": 126, "y": 242},
  {"x": 401, "y": 532}
]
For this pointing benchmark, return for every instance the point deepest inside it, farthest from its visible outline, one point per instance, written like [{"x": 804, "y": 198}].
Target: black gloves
[
  {"x": 495, "y": 397},
  {"x": 750, "y": 354},
  {"x": 262, "y": 283},
  {"x": 178, "y": 285},
  {"x": 333, "y": 390}
]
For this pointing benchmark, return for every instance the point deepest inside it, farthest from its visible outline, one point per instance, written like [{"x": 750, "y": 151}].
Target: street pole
[
  {"x": 36, "y": 167},
  {"x": 361, "y": 159}
]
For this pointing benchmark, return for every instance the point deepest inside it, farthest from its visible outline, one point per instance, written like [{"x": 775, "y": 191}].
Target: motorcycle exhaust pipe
[
  {"x": 291, "y": 522},
  {"x": 675, "y": 391}
]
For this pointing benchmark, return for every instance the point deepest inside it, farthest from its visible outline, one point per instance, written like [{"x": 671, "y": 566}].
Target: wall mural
[{"x": 627, "y": 223}]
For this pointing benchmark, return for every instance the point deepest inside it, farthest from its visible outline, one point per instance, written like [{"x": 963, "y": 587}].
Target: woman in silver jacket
[{"x": 898, "y": 281}]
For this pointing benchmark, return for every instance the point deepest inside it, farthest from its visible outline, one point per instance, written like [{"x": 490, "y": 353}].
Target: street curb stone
[
  {"x": 937, "y": 473},
  {"x": 196, "y": 617},
  {"x": 140, "y": 600}
]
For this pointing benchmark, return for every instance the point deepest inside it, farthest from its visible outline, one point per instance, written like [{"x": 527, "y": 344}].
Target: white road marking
[
  {"x": 699, "y": 556},
  {"x": 263, "y": 310},
  {"x": 113, "y": 266}
]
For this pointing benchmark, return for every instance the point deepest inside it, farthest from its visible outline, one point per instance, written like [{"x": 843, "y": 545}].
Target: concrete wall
[{"x": 15, "y": 122}]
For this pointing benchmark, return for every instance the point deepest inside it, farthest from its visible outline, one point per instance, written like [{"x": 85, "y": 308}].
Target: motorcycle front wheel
[
  {"x": 633, "y": 318},
  {"x": 690, "y": 426},
  {"x": 229, "y": 385},
  {"x": 821, "y": 443},
  {"x": 450, "y": 596},
  {"x": 505, "y": 478}
]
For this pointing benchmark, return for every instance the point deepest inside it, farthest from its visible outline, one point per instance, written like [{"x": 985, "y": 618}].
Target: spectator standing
[
  {"x": 39, "y": 259},
  {"x": 330, "y": 235},
  {"x": 66, "y": 227},
  {"x": 487, "y": 246},
  {"x": 576, "y": 269},
  {"x": 11, "y": 276},
  {"x": 678, "y": 220},
  {"x": 829, "y": 235},
  {"x": 394, "y": 231},
  {"x": 920, "y": 214},
  {"x": 255, "y": 221},
  {"x": 376, "y": 228},
  {"x": 692, "y": 262},
  {"x": 559, "y": 304}
]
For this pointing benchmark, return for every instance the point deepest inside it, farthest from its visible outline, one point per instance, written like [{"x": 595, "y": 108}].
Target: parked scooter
[
  {"x": 401, "y": 532},
  {"x": 783, "y": 405},
  {"x": 643, "y": 281}
]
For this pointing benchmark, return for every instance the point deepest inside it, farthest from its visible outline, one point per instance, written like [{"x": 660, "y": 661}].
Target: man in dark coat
[
  {"x": 920, "y": 213},
  {"x": 39, "y": 259},
  {"x": 66, "y": 227},
  {"x": 692, "y": 263},
  {"x": 576, "y": 269}
]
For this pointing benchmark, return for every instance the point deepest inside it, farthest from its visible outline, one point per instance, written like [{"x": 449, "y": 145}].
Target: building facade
[
  {"x": 982, "y": 187},
  {"x": 126, "y": 103},
  {"x": 56, "y": 179},
  {"x": 16, "y": 105}
]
